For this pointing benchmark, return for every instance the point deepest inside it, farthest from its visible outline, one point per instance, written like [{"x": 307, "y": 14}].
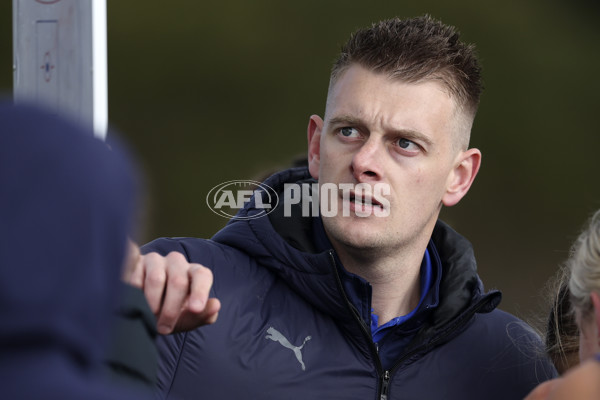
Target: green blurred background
[{"x": 206, "y": 92}]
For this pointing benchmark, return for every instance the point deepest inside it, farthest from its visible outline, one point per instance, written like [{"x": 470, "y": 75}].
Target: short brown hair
[{"x": 415, "y": 50}]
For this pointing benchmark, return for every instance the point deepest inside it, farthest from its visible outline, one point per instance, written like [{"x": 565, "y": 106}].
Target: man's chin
[{"x": 353, "y": 235}]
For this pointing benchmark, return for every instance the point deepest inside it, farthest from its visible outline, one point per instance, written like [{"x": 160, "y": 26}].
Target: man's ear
[
  {"x": 315, "y": 126},
  {"x": 462, "y": 176},
  {"x": 595, "y": 297}
]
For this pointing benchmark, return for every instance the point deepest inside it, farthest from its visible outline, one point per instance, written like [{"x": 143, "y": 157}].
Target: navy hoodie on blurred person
[{"x": 66, "y": 209}]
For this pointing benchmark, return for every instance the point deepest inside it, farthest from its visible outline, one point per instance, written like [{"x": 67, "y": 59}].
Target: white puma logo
[{"x": 276, "y": 336}]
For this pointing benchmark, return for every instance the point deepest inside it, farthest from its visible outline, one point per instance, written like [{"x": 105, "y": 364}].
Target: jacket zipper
[
  {"x": 385, "y": 381},
  {"x": 385, "y": 375}
]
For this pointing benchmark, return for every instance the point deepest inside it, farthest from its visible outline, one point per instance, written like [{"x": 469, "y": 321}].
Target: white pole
[{"x": 99, "y": 65}]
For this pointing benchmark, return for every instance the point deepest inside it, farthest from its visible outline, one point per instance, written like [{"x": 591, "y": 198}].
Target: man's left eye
[
  {"x": 349, "y": 132},
  {"x": 407, "y": 144}
]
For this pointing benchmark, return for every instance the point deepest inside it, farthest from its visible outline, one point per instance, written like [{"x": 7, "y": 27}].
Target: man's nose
[{"x": 366, "y": 163}]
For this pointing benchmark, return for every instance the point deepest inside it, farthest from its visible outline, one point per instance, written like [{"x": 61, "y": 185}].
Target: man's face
[{"x": 379, "y": 130}]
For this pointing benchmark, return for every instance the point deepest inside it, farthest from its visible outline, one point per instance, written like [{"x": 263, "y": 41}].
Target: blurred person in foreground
[
  {"x": 66, "y": 210},
  {"x": 582, "y": 382},
  {"x": 382, "y": 302}
]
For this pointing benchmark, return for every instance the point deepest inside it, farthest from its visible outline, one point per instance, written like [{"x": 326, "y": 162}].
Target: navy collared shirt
[{"x": 358, "y": 292}]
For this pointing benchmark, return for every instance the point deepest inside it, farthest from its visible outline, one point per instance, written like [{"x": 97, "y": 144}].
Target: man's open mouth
[{"x": 363, "y": 200}]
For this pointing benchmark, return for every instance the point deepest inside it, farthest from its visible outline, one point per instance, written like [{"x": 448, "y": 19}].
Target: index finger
[{"x": 133, "y": 271}]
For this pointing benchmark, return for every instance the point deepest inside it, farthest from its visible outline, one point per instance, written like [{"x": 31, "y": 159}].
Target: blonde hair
[
  {"x": 562, "y": 333},
  {"x": 584, "y": 265}
]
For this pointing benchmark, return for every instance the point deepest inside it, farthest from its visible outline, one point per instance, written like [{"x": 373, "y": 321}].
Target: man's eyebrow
[
  {"x": 413, "y": 135},
  {"x": 346, "y": 120},
  {"x": 404, "y": 133}
]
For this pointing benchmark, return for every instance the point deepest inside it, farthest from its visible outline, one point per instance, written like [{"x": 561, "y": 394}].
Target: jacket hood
[
  {"x": 66, "y": 203},
  {"x": 285, "y": 245}
]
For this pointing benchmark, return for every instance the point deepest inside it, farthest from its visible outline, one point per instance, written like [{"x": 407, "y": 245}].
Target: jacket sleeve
[
  {"x": 169, "y": 347},
  {"x": 169, "y": 350},
  {"x": 515, "y": 360}
]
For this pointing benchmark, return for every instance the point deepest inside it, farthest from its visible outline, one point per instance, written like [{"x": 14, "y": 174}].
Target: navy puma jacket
[{"x": 287, "y": 330}]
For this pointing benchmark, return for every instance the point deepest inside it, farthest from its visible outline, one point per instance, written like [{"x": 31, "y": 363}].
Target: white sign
[{"x": 59, "y": 49}]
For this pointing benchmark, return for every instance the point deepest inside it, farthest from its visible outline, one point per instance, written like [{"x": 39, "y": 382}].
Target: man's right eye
[{"x": 349, "y": 132}]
